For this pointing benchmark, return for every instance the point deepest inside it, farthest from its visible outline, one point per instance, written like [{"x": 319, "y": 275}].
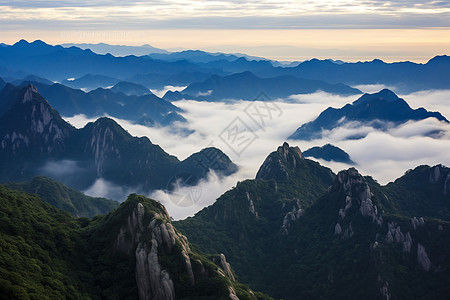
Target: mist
[{"x": 383, "y": 155}]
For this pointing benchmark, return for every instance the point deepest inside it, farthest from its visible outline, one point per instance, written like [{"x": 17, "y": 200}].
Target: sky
[{"x": 282, "y": 30}]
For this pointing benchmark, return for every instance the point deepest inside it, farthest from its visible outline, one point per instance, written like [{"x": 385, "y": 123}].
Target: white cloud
[{"x": 383, "y": 155}]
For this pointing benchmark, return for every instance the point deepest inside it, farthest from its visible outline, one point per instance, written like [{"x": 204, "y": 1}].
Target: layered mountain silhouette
[
  {"x": 59, "y": 63},
  {"x": 35, "y": 140},
  {"x": 329, "y": 152},
  {"x": 134, "y": 252},
  {"x": 247, "y": 86},
  {"x": 113, "y": 102},
  {"x": 382, "y": 110},
  {"x": 405, "y": 76},
  {"x": 299, "y": 231}
]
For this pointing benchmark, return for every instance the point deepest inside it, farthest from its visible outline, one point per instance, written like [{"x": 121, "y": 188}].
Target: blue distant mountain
[
  {"x": 114, "y": 103},
  {"x": 247, "y": 86},
  {"x": 379, "y": 110},
  {"x": 118, "y": 50},
  {"x": 405, "y": 76},
  {"x": 329, "y": 152}
]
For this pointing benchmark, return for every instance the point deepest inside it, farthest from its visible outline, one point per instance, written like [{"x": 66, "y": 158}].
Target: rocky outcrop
[
  {"x": 221, "y": 261},
  {"x": 291, "y": 217},
  {"x": 417, "y": 222},
  {"x": 153, "y": 281},
  {"x": 41, "y": 129},
  {"x": 395, "y": 234},
  {"x": 279, "y": 163},
  {"x": 422, "y": 258},
  {"x": 357, "y": 192}
]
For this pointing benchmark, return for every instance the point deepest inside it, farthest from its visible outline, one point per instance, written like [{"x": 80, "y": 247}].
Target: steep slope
[
  {"x": 354, "y": 239},
  {"x": 65, "y": 198},
  {"x": 329, "y": 152},
  {"x": 381, "y": 110},
  {"x": 35, "y": 140},
  {"x": 424, "y": 191},
  {"x": 245, "y": 222},
  {"x": 99, "y": 102},
  {"x": 247, "y": 86},
  {"x": 132, "y": 253}
]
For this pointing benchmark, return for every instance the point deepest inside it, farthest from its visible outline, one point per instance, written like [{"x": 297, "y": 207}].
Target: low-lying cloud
[{"x": 383, "y": 155}]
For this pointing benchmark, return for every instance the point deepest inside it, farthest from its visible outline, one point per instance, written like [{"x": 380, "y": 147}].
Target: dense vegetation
[
  {"x": 65, "y": 198},
  {"x": 48, "y": 254},
  {"x": 290, "y": 246}
]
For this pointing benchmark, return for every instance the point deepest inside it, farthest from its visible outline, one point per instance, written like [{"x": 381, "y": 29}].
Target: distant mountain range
[
  {"x": 58, "y": 63},
  {"x": 35, "y": 140},
  {"x": 298, "y": 231},
  {"x": 381, "y": 110},
  {"x": 247, "y": 86},
  {"x": 117, "y": 50}
]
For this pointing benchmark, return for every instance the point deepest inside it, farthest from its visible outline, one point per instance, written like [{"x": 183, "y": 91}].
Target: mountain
[
  {"x": 2, "y": 83},
  {"x": 132, "y": 253},
  {"x": 159, "y": 81},
  {"x": 352, "y": 238},
  {"x": 90, "y": 82},
  {"x": 58, "y": 63},
  {"x": 424, "y": 191},
  {"x": 130, "y": 89},
  {"x": 99, "y": 102},
  {"x": 65, "y": 198},
  {"x": 117, "y": 50},
  {"x": 329, "y": 152},
  {"x": 247, "y": 86},
  {"x": 33, "y": 78},
  {"x": 381, "y": 110},
  {"x": 35, "y": 140},
  {"x": 406, "y": 76}
]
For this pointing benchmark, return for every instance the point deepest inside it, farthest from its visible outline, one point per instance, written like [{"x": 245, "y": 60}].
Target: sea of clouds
[{"x": 265, "y": 126}]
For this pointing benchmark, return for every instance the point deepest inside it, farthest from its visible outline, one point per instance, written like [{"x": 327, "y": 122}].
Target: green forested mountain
[
  {"x": 65, "y": 198},
  {"x": 302, "y": 235},
  {"x": 133, "y": 252}
]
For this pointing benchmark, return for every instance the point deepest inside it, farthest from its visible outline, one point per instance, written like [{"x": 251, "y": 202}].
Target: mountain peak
[
  {"x": 383, "y": 95},
  {"x": 355, "y": 191},
  {"x": 280, "y": 163}
]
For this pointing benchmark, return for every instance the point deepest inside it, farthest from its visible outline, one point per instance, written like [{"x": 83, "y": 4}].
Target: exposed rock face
[
  {"x": 42, "y": 128},
  {"x": 395, "y": 234},
  {"x": 357, "y": 192},
  {"x": 417, "y": 222},
  {"x": 295, "y": 214},
  {"x": 440, "y": 174},
  {"x": 251, "y": 205},
  {"x": 384, "y": 290},
  {"x": 222, "y": 262},
  {"x": 153, "y": 282},
  {"x": 422, "y": 258},
  {"x": 102, "y": 143},
  {"x": 278, "y": 163}
]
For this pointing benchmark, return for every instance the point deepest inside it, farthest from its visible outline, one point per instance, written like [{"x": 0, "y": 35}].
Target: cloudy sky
[{"x": 285, "y": 30}]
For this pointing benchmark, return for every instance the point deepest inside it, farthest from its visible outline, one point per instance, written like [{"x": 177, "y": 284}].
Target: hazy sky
[{"x": 350, "y": 30}]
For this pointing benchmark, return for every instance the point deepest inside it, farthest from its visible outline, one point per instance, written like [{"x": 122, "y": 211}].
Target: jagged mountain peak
[
  {"x": 30, "y": 123},
  {"x": 280, "y": 163},
  {"x": 354, "y": 190}
]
